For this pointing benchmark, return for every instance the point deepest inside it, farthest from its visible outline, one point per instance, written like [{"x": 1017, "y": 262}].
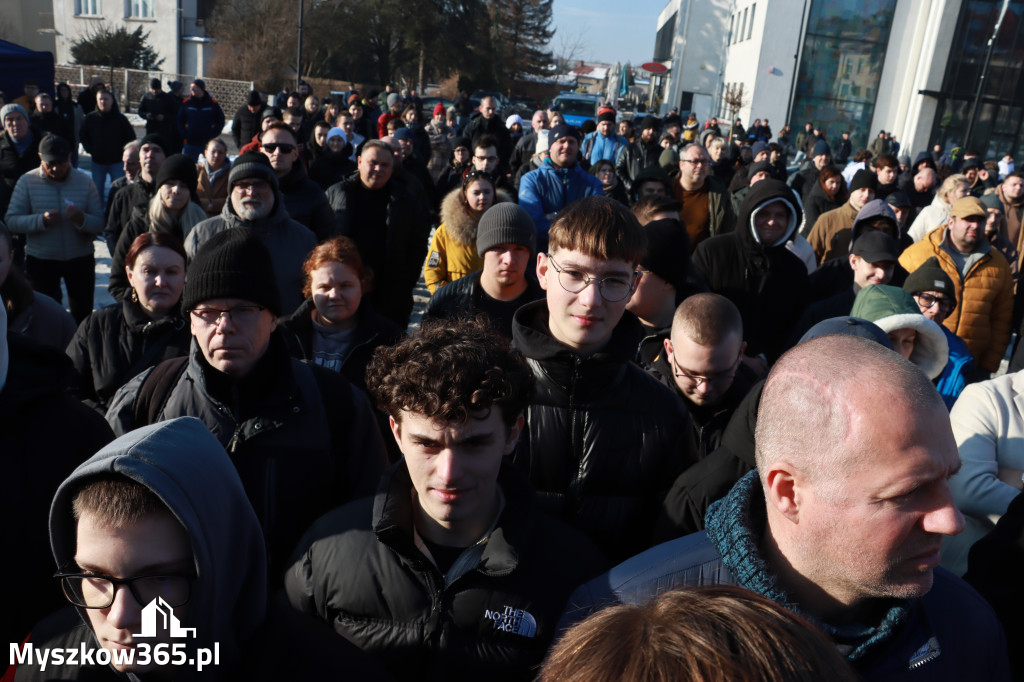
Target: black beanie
[
  {"x": 505, "y": 223},
  {"x": 606, "y": 116},
  {"x": 930, "y": 277},
  {"x": 863, "y": 178},
  {"x": 232, "y": 264},
  {"x": 154, "y": 83},
  {"x": 178, "y": 167},
  {"x": 650, "y": 122},
  {"x": 668, "y": 251},
  {"x": 254, "y": 99},
  {"x": 154, "y": 138}
]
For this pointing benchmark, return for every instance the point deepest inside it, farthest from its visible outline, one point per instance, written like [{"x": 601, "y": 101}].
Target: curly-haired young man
[{"x": 450, "y": 572}]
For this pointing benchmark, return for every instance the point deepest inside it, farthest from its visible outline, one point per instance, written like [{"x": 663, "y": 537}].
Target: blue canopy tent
[{"x": 18, "y": 64}]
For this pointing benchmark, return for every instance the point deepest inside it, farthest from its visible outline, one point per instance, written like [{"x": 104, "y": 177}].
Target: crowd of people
[{"x": 682, "y": 405}]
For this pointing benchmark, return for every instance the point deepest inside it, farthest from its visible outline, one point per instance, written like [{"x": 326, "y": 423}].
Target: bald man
[{"x": 842, "y": 521}]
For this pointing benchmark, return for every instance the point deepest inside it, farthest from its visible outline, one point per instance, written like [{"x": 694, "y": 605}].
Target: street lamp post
[{"x": 298, "y": 58}]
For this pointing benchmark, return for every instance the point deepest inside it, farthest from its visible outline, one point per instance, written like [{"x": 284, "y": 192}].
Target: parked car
[
  {"x": 577, "y": 107},
  {"x": 429, "y": 103}
]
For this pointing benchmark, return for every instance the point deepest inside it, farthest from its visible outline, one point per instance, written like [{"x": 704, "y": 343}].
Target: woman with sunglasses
[{"x": 452, "y": 252}]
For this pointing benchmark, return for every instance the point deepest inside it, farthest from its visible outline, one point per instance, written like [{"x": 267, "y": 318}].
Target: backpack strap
[{"x": 156, "y": 389}]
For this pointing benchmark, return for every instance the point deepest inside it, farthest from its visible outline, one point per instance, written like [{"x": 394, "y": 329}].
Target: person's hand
[
  {"x": 51, "y": 218},
  {"x": 74, "y": 214},
  {"x": 983, "y": 174}
]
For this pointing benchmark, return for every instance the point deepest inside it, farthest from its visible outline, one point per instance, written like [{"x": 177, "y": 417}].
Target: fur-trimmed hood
[{"x": 458, "y": 220}]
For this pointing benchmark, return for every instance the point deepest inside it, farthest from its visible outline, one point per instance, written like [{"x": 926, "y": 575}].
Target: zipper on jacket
[
  {"x": 926, "y": 654},
  {"x": 576, "y": 443}
]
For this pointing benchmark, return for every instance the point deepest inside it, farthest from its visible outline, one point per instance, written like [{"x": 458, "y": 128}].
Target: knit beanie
[
  {"x": 505, "y": 223},
  {"x": 930, "y": 277},
  {"x": 271, "y": 112},
  {"x": 12, "y": 108},
  {"x": 253, "y": 99},
  {"x": 154, "y": 138},
  {"x": 439, "y": 109},
  {"x": 512, "y": 120},
  {"x": 821, "y": 147},
  {"x": 758, "y": 147},
  {"x": 673, "y": 120},
  {"x": 178, "y": 167},
  {"x": 543, "y": 141},
  {"x": 232, "y": 264},
  {"x": 863, "y": 178},
  {"x": 393, "y": 99},
  {"x": 991, "y": 201},
  {"x": 759, "y": 167},
  {"x": 562, "y": 130},
  {"x": 253, "y": 165},
  {"x": 668, "y": 251},
  {"x": 335, "y": 132},
  {"x": 201, "y": 83},
  {"x": 154, "y": 83},
  {"x": 650, "y": 122},
  {"x": 608, "y": 115}
]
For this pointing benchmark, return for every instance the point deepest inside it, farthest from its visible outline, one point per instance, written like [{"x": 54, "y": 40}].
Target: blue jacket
[
  {"x": 949, "y": 634},
  {"x": 200, "y": 120},
  {"x": 547, "y": 190},
  {"x": 954, "y": 377},
  {"x": 597, "y": 147}
]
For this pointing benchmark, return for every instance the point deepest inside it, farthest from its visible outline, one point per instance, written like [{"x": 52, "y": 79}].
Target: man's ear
[
  {"x": 783, "y": 490},
  {"x": 542, "y": 270},
  {"x": 513, "y": 435},
  {"x": 396, "y": 430}
]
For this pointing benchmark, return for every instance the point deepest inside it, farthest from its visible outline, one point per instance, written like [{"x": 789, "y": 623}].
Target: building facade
[{"x": 691, "y": 43}]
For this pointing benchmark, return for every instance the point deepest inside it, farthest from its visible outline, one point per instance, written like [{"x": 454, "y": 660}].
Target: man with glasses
[
  {"x": 983, "y": 283},
  {"x": 124, "y": 200},
  {"x": 304, "y": 199},
  {"x": 556, "y": 183},
  {"x": 485, "y": 158},
  {"x": 303, "y": 439},
  {"x": 160, "y": 513},
  {"x": 604, "y": 440},
  {"x": 707, "y": 205},
  {"x": 255, "y": 204}
]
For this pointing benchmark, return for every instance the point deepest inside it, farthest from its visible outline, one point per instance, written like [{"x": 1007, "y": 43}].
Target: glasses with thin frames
[
  {"x": 240, "y": 314},
  {"x": 94, "y": 591},
  {"x": 698, "y": 380},
  {"x": 612, "y": 288},
  {"x": 698, "y": 162}
]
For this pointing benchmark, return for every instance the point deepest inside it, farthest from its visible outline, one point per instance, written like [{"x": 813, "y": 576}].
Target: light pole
[
  {"x": 298, "y": 58},
  {"x": 984, "y": 72}
]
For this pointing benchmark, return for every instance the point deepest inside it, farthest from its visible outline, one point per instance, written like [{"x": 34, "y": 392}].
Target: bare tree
[
  {"x": 571, "y": 46},
  {"x": 255, "y": 40}
]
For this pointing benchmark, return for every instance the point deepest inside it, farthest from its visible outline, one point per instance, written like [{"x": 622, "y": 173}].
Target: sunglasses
[{"x": 274, "y": 146}]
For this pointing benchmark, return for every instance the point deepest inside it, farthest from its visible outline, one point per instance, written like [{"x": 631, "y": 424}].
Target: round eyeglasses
[{"x": 614, "y": 288}]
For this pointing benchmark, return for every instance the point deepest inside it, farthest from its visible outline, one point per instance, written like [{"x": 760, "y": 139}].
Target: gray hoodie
[{"x": 190, "y": 472}]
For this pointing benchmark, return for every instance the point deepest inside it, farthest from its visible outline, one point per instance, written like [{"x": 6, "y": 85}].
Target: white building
[
  {"x": 691, "y": 43},
  {"x": 175, "y": 27}
]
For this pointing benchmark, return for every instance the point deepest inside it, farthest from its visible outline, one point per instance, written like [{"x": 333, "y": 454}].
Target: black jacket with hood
[
  {"x": 604, "y": 440},
  {"x": 257, "y": 638},
  {"x": 364, "y": 569},
  {"x": 767, "y": 282}
]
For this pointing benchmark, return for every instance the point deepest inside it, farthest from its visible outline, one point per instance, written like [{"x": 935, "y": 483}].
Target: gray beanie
[
  {"x": 253, "y": 165},
  {"x": 12, "y": 108},
  {"x": 505, "y": 223},
  {"x": 393, "y": 99}
]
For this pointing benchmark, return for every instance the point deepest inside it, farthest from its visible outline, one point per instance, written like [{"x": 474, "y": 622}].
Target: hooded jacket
[
  {"x": 948, "y": 634},
  {"x": 452, "y": 252},
  {"x": 302, "y": 438},
  {"x": 200, "y": 119},
  {"x": 892, "y": 308},
  {"x": 984, "y": 311},
  {"x": 767, "y": 282},
  {"x": 288, "y": 241},
  {"x": 605, "y": 440},
  {"x": 364, "y": 569},
  {"x": 47, "y": 433},
  {"x": 255, "y": 638},
  {"x": 117, "y": 342},
  {"x": 548, "y": 189}
]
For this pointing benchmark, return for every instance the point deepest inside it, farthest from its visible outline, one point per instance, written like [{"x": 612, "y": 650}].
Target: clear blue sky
[{"x": 611, "y": 30}]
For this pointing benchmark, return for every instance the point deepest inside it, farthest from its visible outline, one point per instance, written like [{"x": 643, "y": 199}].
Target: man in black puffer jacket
[
  {"x": 752, "y": 267},
  {"x": 605, "y": 439},
  {"x": 451, "y": 572}
]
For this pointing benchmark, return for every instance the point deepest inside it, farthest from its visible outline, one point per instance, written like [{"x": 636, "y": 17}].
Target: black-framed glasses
[
  {"x": 285, "y": 148},
  {"x": 614, "y": 288},
  {"x": 926, "y": 301},
  {"x": 94, "y": 591},
  {"x": 240, "y": 314},
  {"x": 696, "y": 380},
  {"x": 486, "y": 158}
]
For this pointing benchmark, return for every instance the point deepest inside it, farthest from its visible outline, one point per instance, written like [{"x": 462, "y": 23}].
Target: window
[
  {"x": 88, "y": 7},
  {"x": 732, "y": 22},
  {"x": 139, "y": 9},
  {"x": 750, "y": 27},
  {"x": 743, "y": 26}
]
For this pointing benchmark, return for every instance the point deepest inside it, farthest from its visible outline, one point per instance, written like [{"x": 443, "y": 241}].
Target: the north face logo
[{"x": 516, "y": 621}]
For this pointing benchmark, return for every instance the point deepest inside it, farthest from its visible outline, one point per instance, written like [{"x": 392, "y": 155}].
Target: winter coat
[
  {"x": 768, "y": 283},
  {"x": 452, "y": 252},
  {"x": 635, "y": 158},
  {"x": 212, "y": 192},
  {"x": 35, "y": 194},
  {"x": 44, "y": 320},
  {"x": 104, "y": 135},
  {"x": 948, "y": 634},
  {"x": 160, "y": 104},
  {"x": 495, "y": 125},
  {"x": 116, "y": 343},
  {"x": 332, "y": 167},
  {"x": 53, "y": 123},
  {"x": 289, "y": 243},
  {"x": 825, "y": 229},
  {"x": 405, "y": 243},
  {"x": 307, "y": 203},
  {"x": 14, "y": 164},
  {"x": 302, "y": 438},
  {"x": 721, "y": 215},
  {"x": 984, "y": 311},
  {"x": 372, "y": 332},
  {"x": 245, "y": 124},
  {"x": 930, "y": 217},
  {"x": 546, "y": 191},
  {"x": 46, "y": 434},
  {"x": 818, "y": 203},
  {"x": 596, "y": 147},
  {"x": 200, "y": 119},
  {"x": 604, "y": 440},
  {"x": 959, "y": 371},
  {"x": 492, "y": 616},
  {"x": 466, "y": 297},
  {"x": 1014, "y": 214},
  {"x": 130, "y": 200}
]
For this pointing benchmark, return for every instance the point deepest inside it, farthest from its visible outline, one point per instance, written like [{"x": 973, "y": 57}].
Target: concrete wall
[
  {"x": 28, "y": 23},
  {"x": 697, "y": 52}
]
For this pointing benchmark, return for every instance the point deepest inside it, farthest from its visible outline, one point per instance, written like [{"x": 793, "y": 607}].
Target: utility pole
[
  {"x": 984, "y": 72},
  {"x": 298, "y": 58}
]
